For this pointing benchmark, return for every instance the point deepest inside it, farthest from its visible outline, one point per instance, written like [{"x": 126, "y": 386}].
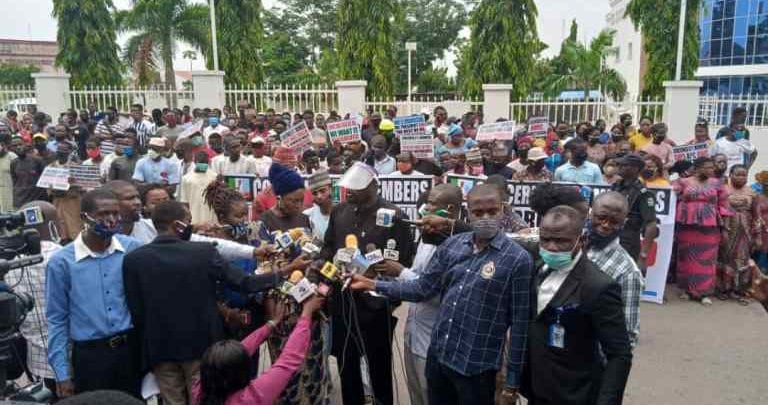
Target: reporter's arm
[
  {"x": 253, "y": 341},
  {"x": 227, "y": 249}
]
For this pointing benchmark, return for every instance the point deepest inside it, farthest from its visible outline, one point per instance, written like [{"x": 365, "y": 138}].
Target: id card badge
[{"x": 557, "y": 336}]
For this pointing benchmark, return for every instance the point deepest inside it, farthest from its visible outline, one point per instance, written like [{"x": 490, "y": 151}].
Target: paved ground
[{"x": 688, "y": 355}]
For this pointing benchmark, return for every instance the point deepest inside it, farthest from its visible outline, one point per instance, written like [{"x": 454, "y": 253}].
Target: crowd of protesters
[{"x": 154, "y": 270}]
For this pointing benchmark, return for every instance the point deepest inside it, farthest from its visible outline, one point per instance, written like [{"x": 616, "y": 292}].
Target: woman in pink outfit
[{"x": 225, "y": 375}]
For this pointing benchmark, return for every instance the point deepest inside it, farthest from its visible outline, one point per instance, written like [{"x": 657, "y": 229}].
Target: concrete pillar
[
  {"x": 681, "y": 108},
  {"x": 351, "y": 95},
  {"x": 52, "y": 92},
  {"x": 496, "y": 101},
  {"x": 208, "y": 87}
]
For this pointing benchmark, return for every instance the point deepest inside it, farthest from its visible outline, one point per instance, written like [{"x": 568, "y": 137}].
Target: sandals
[{"x": 706, "y": 301}]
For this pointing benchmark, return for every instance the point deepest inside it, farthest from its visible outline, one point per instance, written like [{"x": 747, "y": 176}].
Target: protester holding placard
[
  {"x": 67, "y": 202},
  {"x": 701, "y": 134}
]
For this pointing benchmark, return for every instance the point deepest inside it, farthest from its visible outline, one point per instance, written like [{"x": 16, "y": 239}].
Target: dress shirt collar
[{"x": 82, "y": 250}]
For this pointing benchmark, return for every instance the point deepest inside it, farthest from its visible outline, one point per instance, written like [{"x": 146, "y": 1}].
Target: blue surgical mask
[
  {"x": 128, "y": 151},
  {"x": 740, "y": 135},
  {"x": 197, "y": 141},
  {"x": 213, "y": 121},
  {"x": 103, "y": 229},
  {"x": 240, "y": 230}
]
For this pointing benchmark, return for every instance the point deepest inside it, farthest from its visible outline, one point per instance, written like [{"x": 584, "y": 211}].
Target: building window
[{"x": 629, "y": 51}]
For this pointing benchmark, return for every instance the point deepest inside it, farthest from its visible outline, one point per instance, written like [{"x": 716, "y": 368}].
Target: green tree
[
  {"x": 434, "y": 25},
  {"x": 585, "y": 70},
  {"x": 87, "y": 41},
  {"x": 365, "y": 42},
  {"x": 12, "y": 74},
  {"x": 156, "y": 25},
  {"x": 240, "y": 35},
  {"x": 283, "y": 59},
  {"x": 502, "y": 47},
  {"x": 314, "y": 25},
  {"x": 435, "y": 80},
  {"x": 658, "y": 20}
]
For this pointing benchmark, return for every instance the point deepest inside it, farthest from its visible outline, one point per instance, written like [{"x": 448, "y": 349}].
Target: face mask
[
  {"x": 557, "y": 260},
  {"x": 41, "y": 147},
  {"x": 580, "y": 156},
  {"x": 239, "y": 231},
  {"x": 183, "y": 231},
  {"x": 594, "y": 140},
  {"x": 599, "y": 241},
  {"x": 128, "y": 151},
  {"x": 93, "y": 153},
  {"x": 153, "y": 154},
  {"x": 485, "y": 229},
  {"x": 197, "y": 141},
  {"x": 740, "y": 135},
  {"x": 62, "y": 156},
  {"x": 657, "y": 139},
  {"x": 201, "y": 167},
  {"x": 103, "y": 229},
  {"x": 217, "y": 148},
  {"x": 647, "y": 173},
  {"x": 213, "y": 121}
]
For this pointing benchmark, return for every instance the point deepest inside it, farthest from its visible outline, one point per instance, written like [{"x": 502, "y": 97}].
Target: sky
[{"x": 33, "y": 21}]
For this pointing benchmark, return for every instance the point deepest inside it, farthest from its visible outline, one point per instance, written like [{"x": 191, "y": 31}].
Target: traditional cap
[
  {"x": 284, "y": 180},
  {"x": 536, "y": 154},
  {"x": 386, "y": 125},
  {"x": 358, "y": 177},
  {"x": 40, "y": 135},
  {"x": 632, "y": 159},
  {"x": 319, "y": 179},
  {"x": 157, "y": 141}
]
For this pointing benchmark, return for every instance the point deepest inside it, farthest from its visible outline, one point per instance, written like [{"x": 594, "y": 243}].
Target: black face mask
[
  {"x": 598, "y": 241},
  {"x": 41, "y": 147},
  {"x": 580, "y": 156}
]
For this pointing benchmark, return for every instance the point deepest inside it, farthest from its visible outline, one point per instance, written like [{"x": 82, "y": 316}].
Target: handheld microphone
[
  {"x": 373, "y": 254},
  {"x": 387, "y": 218},
  {"x": 391, "y": 252}
]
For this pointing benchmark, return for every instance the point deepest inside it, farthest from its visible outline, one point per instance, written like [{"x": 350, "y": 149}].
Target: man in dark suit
[
  {"x": 578, "y": 313},
  {"x": 170, "y": 287}
]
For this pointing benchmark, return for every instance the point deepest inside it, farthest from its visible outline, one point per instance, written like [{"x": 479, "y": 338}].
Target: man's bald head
[{"x": 612, "y": 201}]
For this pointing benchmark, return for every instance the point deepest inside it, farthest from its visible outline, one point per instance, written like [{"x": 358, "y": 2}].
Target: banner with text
[
  {"x": 410, "y": 125},
  {"x": 690, "y": 152},
  {"x": 343, "y": 131},
  {"x": 500, "y": 131},
  {"x": 297, "y": 138},
  {"x": 56, "y": 178},
  {"x": 538, "y": 127},
  {"x": 661, "y": 253}
]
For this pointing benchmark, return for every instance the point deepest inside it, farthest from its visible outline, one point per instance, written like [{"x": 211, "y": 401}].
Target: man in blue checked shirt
[{"x": 484, "y": 279}]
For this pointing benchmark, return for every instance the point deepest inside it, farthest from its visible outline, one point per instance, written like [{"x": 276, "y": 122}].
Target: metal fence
[
  {"x": 122, "y": 97},
  {"x": 17, "y": 98},
  {"x": 717, "y": 109},
  {"x": 318, "y": 98},
  {"x": 579, "y": 110},
  {"x": 455, "y": 105}
]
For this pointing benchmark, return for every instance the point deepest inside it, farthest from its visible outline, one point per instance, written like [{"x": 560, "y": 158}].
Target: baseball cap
[
  {"x": 387, "y": 125},
  {"x": 536, "y": 154},
  {"x": 40, "y": 135},
  {"x": 258, "y": 139},
  {"x": 157, "y": 141},
  {"x": 358, "y": 177},
  {"x": 632, "y": 159}
]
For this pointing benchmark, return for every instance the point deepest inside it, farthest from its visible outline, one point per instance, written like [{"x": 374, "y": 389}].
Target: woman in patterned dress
[
  {"x": 702, "y": 203},
  {"x": 761, "y": 190},
  {"x": 741, "y": 237}
]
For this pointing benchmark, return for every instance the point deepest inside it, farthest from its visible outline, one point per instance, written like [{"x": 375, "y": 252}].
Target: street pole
[
  {"x": 410, "y": 46},
  {"x": 680, "y": 40},
  {"x": 212, "y": 6}
]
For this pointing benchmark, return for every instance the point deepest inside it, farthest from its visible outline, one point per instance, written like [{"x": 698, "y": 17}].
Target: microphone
[
  {"x": 391, "y": 252},
  {"x": 386, "y": 217},
  {"x": 344, "y": 255},
  {"x": 373, "y": 255}
]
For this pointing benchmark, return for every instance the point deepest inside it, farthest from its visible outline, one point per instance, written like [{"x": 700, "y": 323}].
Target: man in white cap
[
  {"x": 156, "y": 167},
  {"x": 357, "y": 216},
  {"x": 259, "y": 156},
  {"x": 322, "y": 203}
]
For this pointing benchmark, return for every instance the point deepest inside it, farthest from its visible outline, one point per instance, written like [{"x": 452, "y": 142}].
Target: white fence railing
[
  {"x": 17, "y": 98},
  {"x": 717, "y": 109},
  {"x": 426, "y": 102},
  {"x": 123, "y": 97},
  {"x": 318, "y": 98},
  {"x": 573, "y": 111}
]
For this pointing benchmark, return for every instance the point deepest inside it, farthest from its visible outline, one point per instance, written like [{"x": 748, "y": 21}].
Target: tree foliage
[
  {"x": 502, "y": 47},
  {"x": 12, "y": 74},
  {"x": 155, "y": 26},
  {"x": 435, "y": 80},
  {"x": 240, "y": 35},
  {"x": 585, "y": 70},
  {"x": 87, "y": 41},
  {"x": 658, "y": 21},
  {"x": 365, "y": 42}
]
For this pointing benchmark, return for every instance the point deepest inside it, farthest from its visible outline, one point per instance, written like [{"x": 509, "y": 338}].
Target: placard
[
  {"x": 87, "y": 177},
  {"x": 499, "y": 131},
  {"x": 410, "y": 125},
  {"x": 297, "y": 138},
  {"x": 56, "y": 178},
  {"x": 420, "y": 145},
  {"x": 538, "y": 127},
  {"x": 343, "y": 131},
  {"x": 690, "y": 152}
]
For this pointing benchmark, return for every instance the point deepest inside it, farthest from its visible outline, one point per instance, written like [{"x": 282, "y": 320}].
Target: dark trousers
[
  {"x": 377, "y": 338},
  {"x": 106, "y": 364},
  {"x": 448, "y": 387}
]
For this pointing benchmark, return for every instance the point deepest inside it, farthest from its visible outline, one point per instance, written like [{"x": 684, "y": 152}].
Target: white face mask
[{"x": 153, "y": 154}]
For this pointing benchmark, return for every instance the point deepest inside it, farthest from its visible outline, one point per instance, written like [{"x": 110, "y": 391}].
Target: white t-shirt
[
  {"x": 737, "y": 151},
  {"x": 223, "y": 166},
  {"x": 262, "y": 165}
]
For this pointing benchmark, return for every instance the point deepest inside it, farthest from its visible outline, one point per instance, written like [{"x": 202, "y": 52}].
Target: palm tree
[
  {"x": 156, "y": 26},
  {"x": 585, "y": 70}
]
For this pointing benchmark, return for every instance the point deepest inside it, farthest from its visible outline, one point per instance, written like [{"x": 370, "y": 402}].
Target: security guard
[{"x": 642, "y": 209}]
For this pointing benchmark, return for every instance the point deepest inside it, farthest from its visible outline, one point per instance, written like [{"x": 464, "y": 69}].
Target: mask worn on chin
[
  {"x": 597, "y": 240},
  {"x": 183, "y": 231},
  {"x": 557, "y": 260},
  {"x": 104, "y": 230},
  {"x": 485, "y": 229}
]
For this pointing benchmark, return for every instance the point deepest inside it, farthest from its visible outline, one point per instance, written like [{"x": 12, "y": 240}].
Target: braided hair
[{"x": 220, "y": 198}]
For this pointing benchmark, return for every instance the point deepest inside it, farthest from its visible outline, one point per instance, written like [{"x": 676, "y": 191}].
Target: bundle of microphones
[{"x": 323, "y": 276}]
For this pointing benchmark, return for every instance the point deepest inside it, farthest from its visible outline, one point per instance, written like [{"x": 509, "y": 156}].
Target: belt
[{"x": 112, "y": 342}]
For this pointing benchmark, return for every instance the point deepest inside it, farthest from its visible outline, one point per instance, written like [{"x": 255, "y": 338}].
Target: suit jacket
[
  {"x": 170, "y": 287},
  {"x": 593, "y": 318}
]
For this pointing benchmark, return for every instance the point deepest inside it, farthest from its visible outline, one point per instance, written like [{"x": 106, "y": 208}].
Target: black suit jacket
[
  {"x": 170, "y": 287},
  {"x": 577, "y": 374}
]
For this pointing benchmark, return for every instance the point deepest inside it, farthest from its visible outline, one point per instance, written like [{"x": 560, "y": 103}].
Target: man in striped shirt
[
  {"x": 109, "y": 127},
  {"x": 144, "y": 129}
]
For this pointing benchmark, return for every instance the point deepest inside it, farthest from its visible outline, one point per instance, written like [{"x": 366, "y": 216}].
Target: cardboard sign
[
  {"x": 56, "y": 178},
  {"x": 410, "y": 125},
  {"x": 420, "y": 145},
  {"x": 690, "y": 152},
  {"x": 87, "y": 177},
  {"x": 343, "y": 131},
  {"x": 297, "y": 138},
  {"x": 538, "y": 127},
  {"x": 501, "y": 131}
]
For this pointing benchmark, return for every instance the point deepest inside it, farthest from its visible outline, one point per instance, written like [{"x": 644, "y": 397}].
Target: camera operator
[{"x": 30, "y": 280}]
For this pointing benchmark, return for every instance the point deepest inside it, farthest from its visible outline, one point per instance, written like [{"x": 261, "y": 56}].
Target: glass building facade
[{"x": 734, "y": 33}]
